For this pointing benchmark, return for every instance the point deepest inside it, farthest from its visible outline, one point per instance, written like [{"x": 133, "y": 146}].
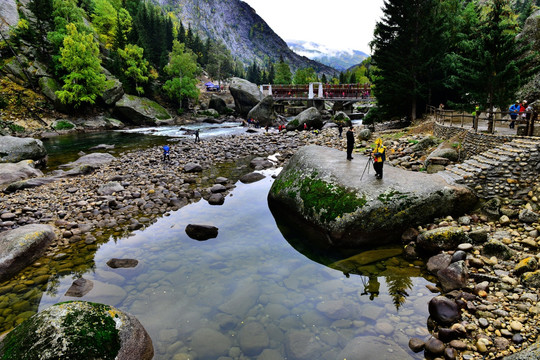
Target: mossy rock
[
  {"x": 497, "y": 249},
  {"x": 445, "y": 238},
  {"x": 78, "y": 330},
  {"x": 139, "y": 110},
  {"x": 528, "y": 264},
  {"x": 319, "y": 186}
]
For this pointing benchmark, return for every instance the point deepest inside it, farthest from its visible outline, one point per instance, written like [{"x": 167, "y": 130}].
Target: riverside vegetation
[{"x": 496, "y": 310}]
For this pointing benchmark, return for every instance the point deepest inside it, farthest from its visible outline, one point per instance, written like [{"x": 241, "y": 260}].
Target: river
[{"x": 247, "y": 294}]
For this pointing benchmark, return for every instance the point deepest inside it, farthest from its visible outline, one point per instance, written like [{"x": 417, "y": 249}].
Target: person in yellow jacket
[{"x": 379, "y": 157}]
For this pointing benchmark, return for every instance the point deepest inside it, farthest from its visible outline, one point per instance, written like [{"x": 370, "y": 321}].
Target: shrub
[
  {"x": 63, "y": 125},
  {"x": 16, "y": 128}
]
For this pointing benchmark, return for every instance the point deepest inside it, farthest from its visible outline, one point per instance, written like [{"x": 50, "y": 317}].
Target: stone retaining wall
[{"x": 473, "y": 143}]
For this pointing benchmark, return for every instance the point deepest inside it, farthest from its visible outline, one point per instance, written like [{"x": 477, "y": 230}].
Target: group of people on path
[
  {"x": 519, "y": 109},
  {"x": 378, "y": 154}
]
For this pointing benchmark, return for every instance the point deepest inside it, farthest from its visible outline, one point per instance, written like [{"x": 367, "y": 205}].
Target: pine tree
[
  {"x": 404, "y": 55},
  {"x": 271, "y": 73},
  {"x": 323, "y": 79},
  {"x": 42, "y": 10}
]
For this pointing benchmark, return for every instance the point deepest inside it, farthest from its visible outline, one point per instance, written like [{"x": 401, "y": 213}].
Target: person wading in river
[
  {"x": 350, "y": 142},
  {"x": 379, "y": 157}
]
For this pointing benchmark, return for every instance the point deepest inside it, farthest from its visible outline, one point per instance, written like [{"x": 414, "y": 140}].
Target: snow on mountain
[{"x": 340, "y": 59}]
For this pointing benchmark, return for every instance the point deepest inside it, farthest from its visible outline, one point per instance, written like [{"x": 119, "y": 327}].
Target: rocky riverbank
[{"x": 496, "y": 303}]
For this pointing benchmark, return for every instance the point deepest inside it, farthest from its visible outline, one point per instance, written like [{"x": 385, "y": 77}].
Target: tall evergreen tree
[
  {"x": 404, "y": 56},
  {"x": 283, "y": 73},
  {"x": 42, "y": 10}
]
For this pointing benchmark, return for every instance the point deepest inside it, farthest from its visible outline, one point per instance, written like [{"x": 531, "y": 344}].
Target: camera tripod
[{"x": 370, "y": 161}]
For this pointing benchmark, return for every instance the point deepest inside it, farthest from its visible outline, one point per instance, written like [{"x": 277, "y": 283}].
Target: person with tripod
[{"x": 379, "y": 157}]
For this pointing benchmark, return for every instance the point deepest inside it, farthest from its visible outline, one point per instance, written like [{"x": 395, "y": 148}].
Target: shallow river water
[{"x": 247, "y": 294}]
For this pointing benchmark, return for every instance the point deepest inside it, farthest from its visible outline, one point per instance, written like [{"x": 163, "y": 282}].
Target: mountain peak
[{"x": 340, "y": 59}]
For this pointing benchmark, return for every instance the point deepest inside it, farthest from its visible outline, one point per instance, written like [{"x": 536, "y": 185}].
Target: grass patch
[{"x": 63, "y": 125}]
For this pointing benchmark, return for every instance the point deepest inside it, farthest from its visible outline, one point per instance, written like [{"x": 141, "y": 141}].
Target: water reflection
[
  {"x": 247, "y": 294},
  {"x": 369, "y": 264}
]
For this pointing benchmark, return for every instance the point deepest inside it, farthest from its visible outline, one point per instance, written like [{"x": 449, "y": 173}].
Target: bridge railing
[{"x": 318, "y": 90}]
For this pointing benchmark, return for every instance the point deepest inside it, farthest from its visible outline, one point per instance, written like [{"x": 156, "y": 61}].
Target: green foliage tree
[
  {"x": 182, "y": 70},
  {"x": 42, "y": 10},
  {"x": 136, "y": 68},
  {"x": 104, "y": 19},
  {"x": 283, "y": 73},
  {"x": 304, "y": 76},
  {"x": 220, "y": 62},
  {"x": 80, "y": 58}
]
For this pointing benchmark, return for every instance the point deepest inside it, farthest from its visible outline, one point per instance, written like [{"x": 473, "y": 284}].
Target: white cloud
[{"x": 338, "y": 24}]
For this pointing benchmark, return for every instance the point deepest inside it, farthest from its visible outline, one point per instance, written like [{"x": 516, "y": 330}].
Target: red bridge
[{"x": 341, "y": 92}]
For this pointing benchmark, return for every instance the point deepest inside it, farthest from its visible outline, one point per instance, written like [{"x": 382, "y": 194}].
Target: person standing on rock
[
  {"x": 340, "y": 129},
  {"x": 379, "y": 157},
  {"x": 350, "y": 142},
  {"x": 166, "y": 150},
  {"x": 197, "y": 138}
]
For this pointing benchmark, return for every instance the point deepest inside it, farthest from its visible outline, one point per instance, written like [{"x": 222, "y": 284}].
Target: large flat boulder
[
  {"x": 78, "y": 330},
  {"x": 14, "y": 149},
  {"x": 140, "y": 111},
  {"x": 12, "y": 172},
  {"x": 246, "y": 95},
  {"x": 322, "y": 188},
  {"x": 22, "y": 246}
]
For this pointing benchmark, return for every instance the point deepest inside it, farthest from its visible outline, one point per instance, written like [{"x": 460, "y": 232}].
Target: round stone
[
  {"x": 416, "y": 344},
  {"x": 434, "y": 346},
  {"x": 516, "y": 325}
]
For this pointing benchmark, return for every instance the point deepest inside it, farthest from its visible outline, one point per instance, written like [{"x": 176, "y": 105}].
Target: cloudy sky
[{"x": 338, "y": 24}]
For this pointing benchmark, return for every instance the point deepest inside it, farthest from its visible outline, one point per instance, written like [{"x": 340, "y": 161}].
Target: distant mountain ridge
[
  {"x": 238, "y": 26},
  {"x": 337, "y": 59}
]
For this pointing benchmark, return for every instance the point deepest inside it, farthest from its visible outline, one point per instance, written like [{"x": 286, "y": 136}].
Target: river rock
[
  {"x": 110, "y": 188},
  {"x": 320, "y": 186},
  {"x": 94, "y": 161},
  {"x": 311, "y": 117},
  {"x": 242, "y": 299},
  {"x": 192, "y": 167},
  {"x": 438, "y": 262},
  {"x": 498, "y": 249},
  {"x": 531, "y": 279},
  {"x": 416, "y": 344},
  {"x": 453, "y": 277},
  {"x": 528, "y": 216},
  {"x": 445, "y": 238},
  {"x": 443, "y": 310},
  {"x": 201, "y": 232},
  {"x": 264, "y": 112},
  {"x": 246, "y": 95},
  {"x": 14, "y": 149},
  {"x": 216, "y": 199},
  {"x": 364, "y": 134},
  {"x": 79, "y": 288},
  {"x": 434, "y": 346},
  {"x": 122, "y": 263},
  {"x": 251, "y": 177},
  {"x": 365, "y": 347},
  {"x": 67, "y": 331},
  {"x": 253, "y": 339},
  {"x": 22, "y": 246},
  {"x": 260, "y": 163},
  {"x": 15, "y": 172},
  {"x": 140, "y": 110},
  {"x": 218, "y": 104}
]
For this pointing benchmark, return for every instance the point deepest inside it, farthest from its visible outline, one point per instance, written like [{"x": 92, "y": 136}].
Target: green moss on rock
[{"x": 72, "y": 330}]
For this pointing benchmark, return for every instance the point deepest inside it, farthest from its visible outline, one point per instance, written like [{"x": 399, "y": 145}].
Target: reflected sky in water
[{"x": 197, "y": 298}]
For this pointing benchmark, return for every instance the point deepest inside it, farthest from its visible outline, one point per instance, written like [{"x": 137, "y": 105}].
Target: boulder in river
[
  {"x": 10, "y": 173},
  {"x": 201, "y": 232},
  {"x": 140, "y": 110},
  {"x": 92, "y": 161},
  {"x": 22, "y": 246},
  {"x": 14, "y": 149},
  {"x": 311, "y": 117},
  {"x": 246, "y": 95},
  {"x": 322, "y": 188},
  {"x": 264, "y": 112},
  {"x": 217, "y": 103},
  {"x": 79, "y": 330}
]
